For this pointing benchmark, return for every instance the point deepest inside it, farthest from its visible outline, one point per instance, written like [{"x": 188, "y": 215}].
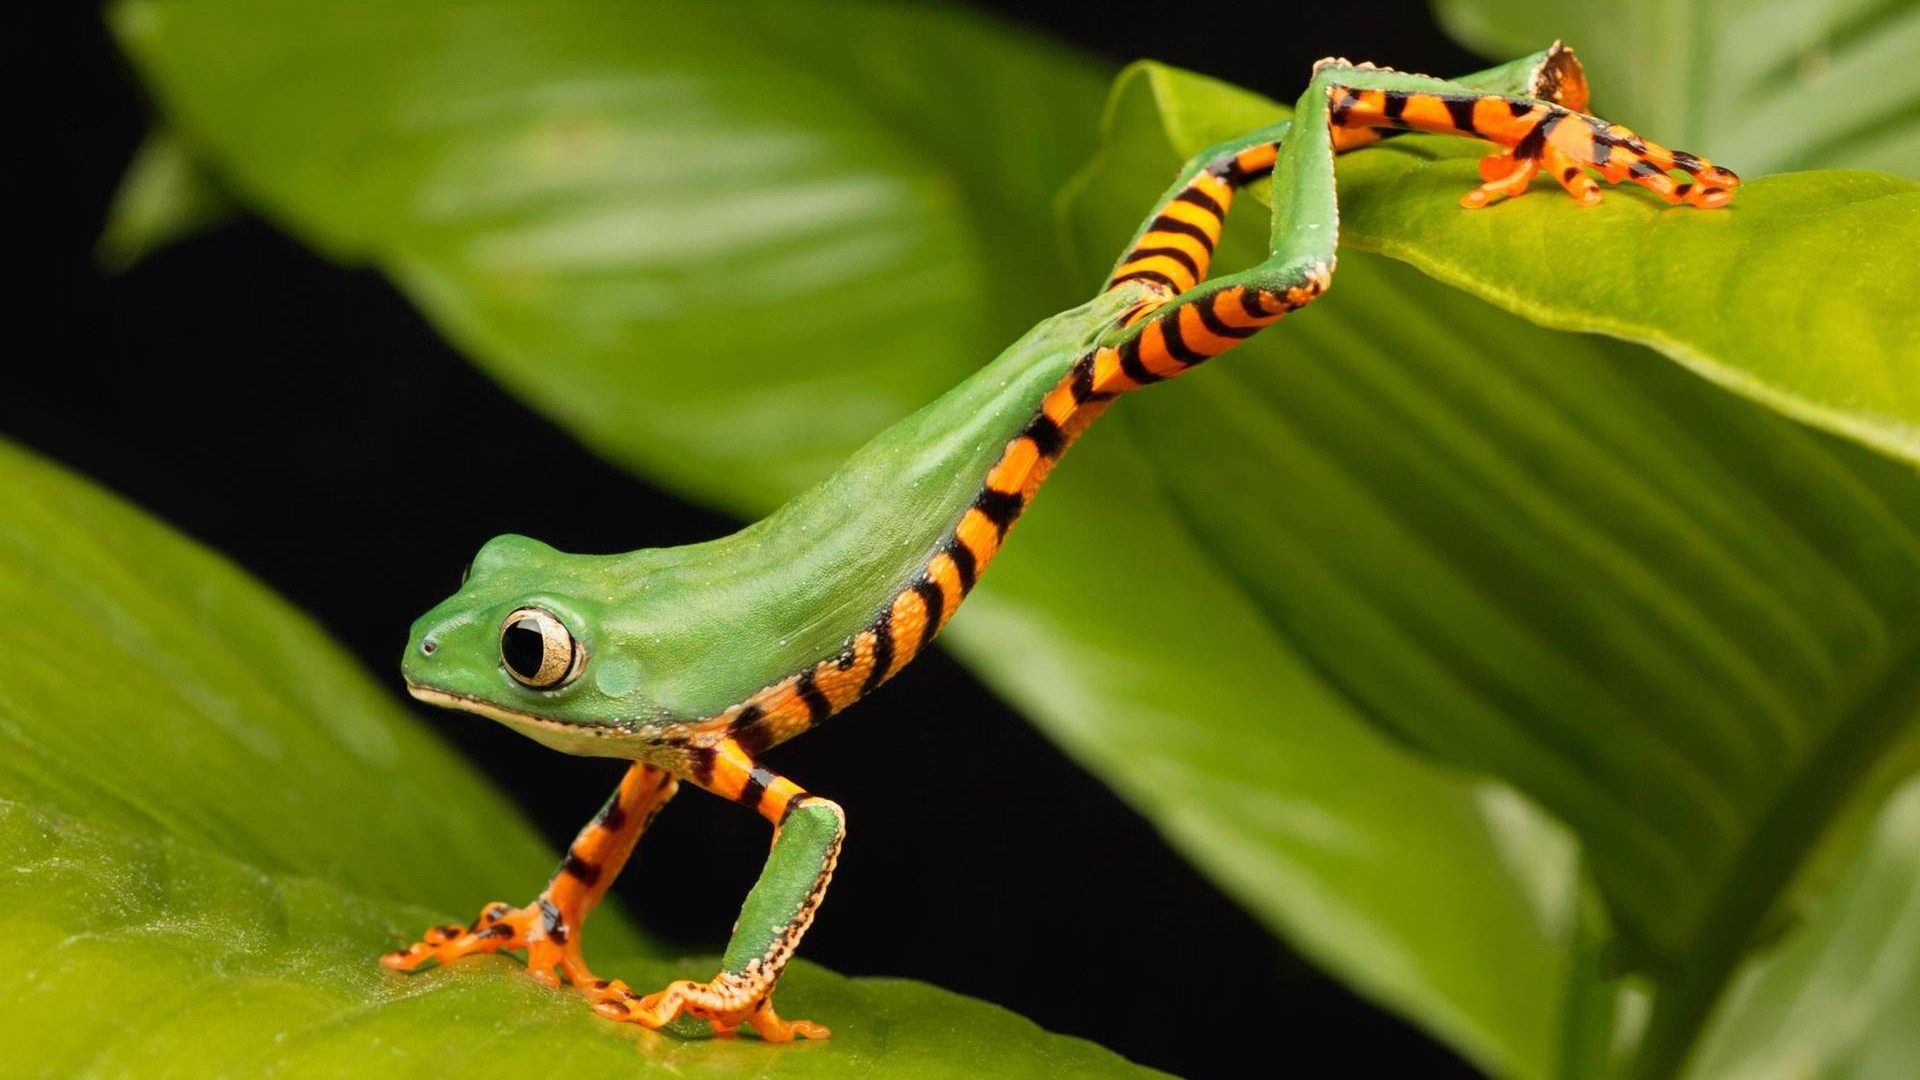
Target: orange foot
[
  {"x": 1576, "y": 143},
  {"x": 725, "y": 1003},
  {"x": 537, "y": 928}
]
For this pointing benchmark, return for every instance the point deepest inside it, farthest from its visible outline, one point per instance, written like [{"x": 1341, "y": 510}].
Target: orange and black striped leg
[
  {"x": 806, "y": 846},
  {"x": 549, "y": 928},
  {"x": 1173, "y": 249},
  {"x": 1533, "y": 134}
]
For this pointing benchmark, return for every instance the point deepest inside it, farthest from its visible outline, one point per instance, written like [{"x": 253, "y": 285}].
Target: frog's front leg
[
  {"x": 549, "y": 928},
  {"x": 806, "y": 845}
]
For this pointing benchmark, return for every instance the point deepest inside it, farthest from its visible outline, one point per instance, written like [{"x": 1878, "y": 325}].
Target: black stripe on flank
[
  {"x": 747, "y": 729},
  {"x": 1177, "y": 346},
  {"x": 965, "y": 566},
  {"x": 1461, "y": 110},
  {"x": 1250, "y": 303},
  {"x": 935, "y": 598},
  {"x": 1519, "y": 108},
  {"x": 1220, "y": 329},
  {"x": 582, "y": 870},
  {"x": 1166, "y": 224},
  {"x": 758, "y": 780},
  {"x": 882, "y": 651},
  {"x": 1046, "y": 435},
  {"x": 1392, "y": 104},
  {"x": 1173, "y": 253},
  {"x": 748, "y": 716},
  {"x": 700, "y": 764},
  {"x": 1202, "y": 200},
  {"x": 818, "y": 707},
  {"x": 1001, "y": 507},
  {"x": 1535, "y": 140},
  {"x": 1131, "y": 364}
]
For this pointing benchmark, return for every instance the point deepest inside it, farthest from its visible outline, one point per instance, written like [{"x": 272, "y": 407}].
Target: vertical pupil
[{"x": 524, "y": 647}]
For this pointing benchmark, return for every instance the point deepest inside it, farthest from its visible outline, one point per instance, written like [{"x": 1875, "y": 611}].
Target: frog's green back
[
  {"x": 738, "y": 613},
  {"x": 675, "y": 635}
]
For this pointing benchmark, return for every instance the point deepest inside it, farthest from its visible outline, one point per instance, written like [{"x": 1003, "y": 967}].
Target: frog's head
[{"x": 528, "y": 641}]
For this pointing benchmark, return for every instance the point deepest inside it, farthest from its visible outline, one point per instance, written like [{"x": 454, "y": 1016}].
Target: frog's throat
[{"x": 584, "y": 739}]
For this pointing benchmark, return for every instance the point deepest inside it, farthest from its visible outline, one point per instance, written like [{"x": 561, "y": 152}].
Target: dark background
[{"x": 263, "y": 401}]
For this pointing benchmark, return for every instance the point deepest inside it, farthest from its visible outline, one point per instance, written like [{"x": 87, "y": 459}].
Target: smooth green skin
[
  {"x": 792, "y": 868},
  {"x": 678, "y": 634}
]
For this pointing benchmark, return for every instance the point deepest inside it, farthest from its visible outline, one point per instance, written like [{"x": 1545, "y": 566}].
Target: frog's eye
[{"x": 537, "y": 650}]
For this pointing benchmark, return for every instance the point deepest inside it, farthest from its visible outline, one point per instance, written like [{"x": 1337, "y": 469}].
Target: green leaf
[
  {"x": 810, "y": 200},
  {"x": 1688, "y": 627},
  {"x": 164, "y": 197},
  {"x": 216, "y": 823},
  {"x": 1840, "y": 995},
  {"x": 1801, "y": 296},
  {"x": 1762, "y": 85}
]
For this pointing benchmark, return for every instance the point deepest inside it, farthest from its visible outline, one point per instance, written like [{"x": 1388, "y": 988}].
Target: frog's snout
[{"x": 423, "y": 641}]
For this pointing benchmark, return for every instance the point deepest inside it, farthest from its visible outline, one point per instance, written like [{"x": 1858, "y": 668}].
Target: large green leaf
[
  {"x": 1689, "y": 627},
  {"x": 1762, "y": 86},
  {"x": 807, "y": 217},
  {"x": 215, "y": 823},
  {"x": 1766, "y": 85},
  {"x": 1801, "y": 297}
]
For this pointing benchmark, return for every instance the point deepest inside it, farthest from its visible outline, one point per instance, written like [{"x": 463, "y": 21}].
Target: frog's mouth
[{"x": 587, "y": 740}]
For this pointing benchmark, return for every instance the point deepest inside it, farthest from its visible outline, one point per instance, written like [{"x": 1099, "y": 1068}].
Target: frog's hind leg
[
  {"x": 1184, "y": 320},
  {"x": 806, "y": 847},
  {"x": 549, "y": 928},
  {"x": 1533, "y": 134},
  {"x": 1173, "y": 248}
]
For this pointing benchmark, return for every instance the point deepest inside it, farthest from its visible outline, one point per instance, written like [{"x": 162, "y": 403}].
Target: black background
[{"x": 270, "y": 404}]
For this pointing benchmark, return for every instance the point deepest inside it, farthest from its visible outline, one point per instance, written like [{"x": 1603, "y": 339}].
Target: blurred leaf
[
  {"x": 1845, "y": 983},
  {"x": 825, "y": 211},
  {"x": 1687, "y": 626},
  {"x": 164, "y": 197},
  {"x": 1763, "y": 85},
  {"x": 216, "y": 823}
]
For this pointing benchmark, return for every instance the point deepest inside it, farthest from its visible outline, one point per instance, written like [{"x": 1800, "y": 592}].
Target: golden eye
[{"x": 537, "y": 650}]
